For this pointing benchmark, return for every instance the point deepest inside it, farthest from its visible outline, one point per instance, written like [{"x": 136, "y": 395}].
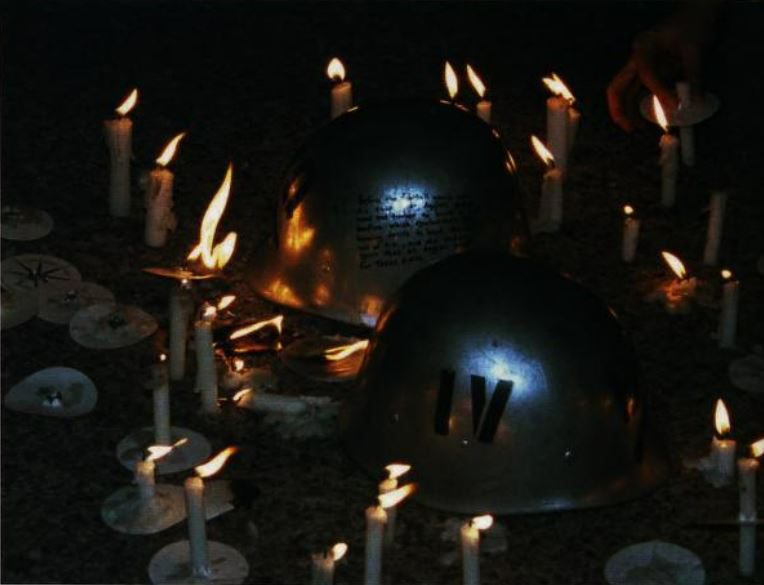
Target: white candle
[
  {"x": 574, "y": 118},
  {"x": 557, "y": 129},
  {"x": 723, "y": 456},
  {"x": 669, "y": 166},
  {"x": 161, "y": 405},
  {"x": 717, "y": 207},
  {"x": 159, "y": 216},
  {"x": 728, "y": 315},
  {"x": 630, "y": 235},
  {"x": 686, "y": 134},
  {"x": 206, "y": 374},
  {"x": 386, "y": 486},
  {"x": 470, "y": 539},
  {"x": 342, "y": 91},
  {"x": 322, "y": 570},
  {"x": 197, "y": 530},
  {"x": 551, "y": 198},
  {"x": 375, "y": 527},
  {"x": 181, "y": 308},
  {"x": 748, "y": 467},
  {"x": 144, "y": 477},
  {"x": 119, "y": 138}
]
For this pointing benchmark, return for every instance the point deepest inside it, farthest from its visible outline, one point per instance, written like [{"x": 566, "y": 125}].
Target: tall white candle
[
  {"x": 375, "y": 528},
  {"x": 630, "y": 234},
  {"x": 551, "y": 198},
  {"x": 717, "y": 207},
  {"x": 748, "y": 467},
  {"x": 728, "y": 315},
  {"x": 386, "y": 486},
  {"x": 470, "y": 541},
  {"x": 159, "y": 217},
  {"x": 722, "y": 450},
  {"x": 686, "y": 133},
  {"x": 144, "y": 477},
  {"x": 206, "y": 373},
  {"x": 161, "y": 405},
  {"x": 342, "y": 91},
  {"x": 181, "y": 308},
  {"x": 669, "y": 167},
  {"x": 119, "y": 138},
  {"x": 557, "y": 130},
  {"x": 197, "y": 529}
]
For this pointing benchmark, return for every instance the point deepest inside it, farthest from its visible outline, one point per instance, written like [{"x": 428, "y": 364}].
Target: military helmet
[
  {"x": 508, "y": 388},
  {"x": 379, "y": 193}
]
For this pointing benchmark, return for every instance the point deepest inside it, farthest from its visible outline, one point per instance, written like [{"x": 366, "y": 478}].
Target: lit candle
[
  {"x": 748, "y": 467},
  {"x": 236, "y": 375},
  {"x": 561, "y": 120},
  {"x": 686, "y": 135},
  {"x": 161, "y": 403},
  {"x": 451, "y": 81},
  {"x": 159, "y": 216},
  {"x": 728, "y": 315},
  {"x": 144, "y": 477},
  {"x": 375, "y": 529},
  {"x": 550, "y": 206},
  {"x": 206, "y": 374},
  {"x": 483, "y": 106},
  {"x": 470, "y": 538},
  {"x": 715, "y": 224},
  {"x": 679, "y": 291},
  {"x": 668, "y": 160},
  {"x": 323, "y": 564},
  {"x": 181, "y": 309},
  {"x": 722, "y": 450},
  {"x": 342, "y": 91},
  {"x": 630, "y": 234},
  {"x": 196, "y": 515},
  {"x": 119, "y": 136},
  {"x": 390, "y": 484}
]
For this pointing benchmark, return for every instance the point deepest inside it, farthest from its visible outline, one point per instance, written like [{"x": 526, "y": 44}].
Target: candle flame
[
  {"x": 628, "y": 210},
  {"x": 338, "y": 551},
  {"x": 542, "y": 151},
  {"x": 721, "y": 418},
  {"x": 336, "y": 70},
  {"x": 452, "y": 83},
  {"x": 241, "y": 394},
  {"x": 209, "y": 312},
  {"x": 342, "y": 351},
  {"x": 726, "y": 274},
  {"x": 396, "y": 470},
  {"x": 557, "y": 87},
  {"x": 162, "y": 357},
  {"x": 238, "y": 364},
  {"x": 159, "y": 451},
  {"x": 129, "y": 103},
  {"x": 757, "y": 448},
  {"x": 274, "y": 321},
  {"x": 510, "y": 162},
  {"x": 482, "y": 522},
  {"x": 660, "y": 115},
  {"x": 216, "y": 463},
  {"x": 215, "y": 257},
  {"x": 226, "y": 302},
  {"x": 169, "y": 150},
  {"x": 476, "y": 82},
  {"x": 395, "y": 497},
  {"x": 675, "y": 264}
]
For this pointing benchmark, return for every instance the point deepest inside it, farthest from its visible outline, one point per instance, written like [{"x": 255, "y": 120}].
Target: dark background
[{"x": 247, "y": 81}]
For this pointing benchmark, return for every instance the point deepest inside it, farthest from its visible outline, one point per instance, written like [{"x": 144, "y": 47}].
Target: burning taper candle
[
  {"x": 562, "y": 120},
  {"x": 119, "y": 137},
  {"x": 668, "y": 160},
  {"x": 390, "y": 484},
  {"x": 206, "y": 372},
  {"x": 161, "y": 403},
  {"x": 181, "y": 309},
  {"x": 717, "y": 207},
  {"x": 630, "y": 234},
  {"x": 748, "y": 467},
  {"x": 376, "y": 517},
  {"x": 728, "y": 315},
  {"x": 342, "y": 91},
  {"x": 470, "y": 539},
  {"x": 550, "y": 205},
  {"x": 451, "y": 81},
  {"x": 483, "y": 106},
  {"x": 722, "y": 450},
  {"x": 322, "y": 572},
  {"x": 679, "y": 292},
  {"x": 159, "y": 216}
]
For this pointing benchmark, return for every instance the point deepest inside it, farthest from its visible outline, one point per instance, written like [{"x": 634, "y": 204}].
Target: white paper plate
[
  {"x": 24, "y": 224},
  {"x": 171, "y": 564},
  {"x": 110, "y": 326},
  {"x": 655, "y": 563},
  {"x": 699, "y": 110},
  {"x": 125, "y": 511},
  {"x": 195, "y": 451},
  {"x": 59, "y": 391},
  {"x": 59, "y": 301},
  {"x": 17, "y": 308},
  {"x": 29, "y": 272}
]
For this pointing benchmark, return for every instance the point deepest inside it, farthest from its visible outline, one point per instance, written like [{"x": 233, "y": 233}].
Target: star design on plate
[{"x": 39, "y": 272}]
